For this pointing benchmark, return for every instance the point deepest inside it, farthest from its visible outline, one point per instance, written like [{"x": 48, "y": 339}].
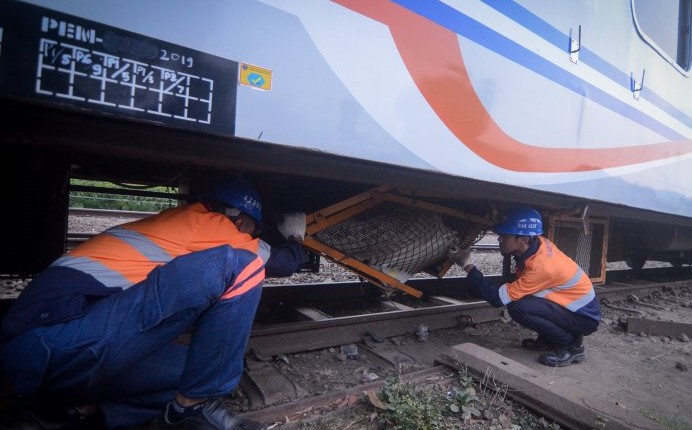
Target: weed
[
  {"x": 453, "y": 403},
  {"x": 464, "y": 397},
  {"x": 410, "y": 408}
]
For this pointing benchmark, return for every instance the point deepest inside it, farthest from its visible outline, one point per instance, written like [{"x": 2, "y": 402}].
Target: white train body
[{"x": 570, "y": 97}]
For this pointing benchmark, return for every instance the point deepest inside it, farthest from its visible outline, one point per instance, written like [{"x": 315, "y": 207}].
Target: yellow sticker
[{"x": 254, "y": 76}]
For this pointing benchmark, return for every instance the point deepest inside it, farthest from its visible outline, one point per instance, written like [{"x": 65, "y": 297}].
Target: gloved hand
[
  {"x": 292, "y": 226},
  {"x": 458, "y": 255}
]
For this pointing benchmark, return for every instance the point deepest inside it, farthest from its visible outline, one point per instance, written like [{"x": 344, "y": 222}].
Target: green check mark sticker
[{"x": 255, "y": 79}]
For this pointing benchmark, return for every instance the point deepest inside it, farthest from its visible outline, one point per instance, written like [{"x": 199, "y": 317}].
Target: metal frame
[
  {"x": 336, "y": 213},
  {"x": 585, "y": 222}
]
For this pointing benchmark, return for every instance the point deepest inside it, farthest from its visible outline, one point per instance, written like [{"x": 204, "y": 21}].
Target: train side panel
[{"x": 486, "y": 90}]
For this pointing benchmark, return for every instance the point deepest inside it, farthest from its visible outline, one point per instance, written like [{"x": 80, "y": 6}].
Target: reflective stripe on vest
[
  {"x": 251, "y": 276},
  {"x": 571, "y": 283},
  {"x": 504, "y": 295},
  {"x": 141, "y": 243},
  {"x": 107, "y": 276},
  {"x": 264, "y": 250}
]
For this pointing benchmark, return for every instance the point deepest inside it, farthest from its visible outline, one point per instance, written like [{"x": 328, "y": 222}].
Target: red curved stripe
[{"x": 433, "y": 58}]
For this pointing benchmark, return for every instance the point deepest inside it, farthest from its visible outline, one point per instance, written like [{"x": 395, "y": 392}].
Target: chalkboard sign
[{"x": 76, "y": 63}]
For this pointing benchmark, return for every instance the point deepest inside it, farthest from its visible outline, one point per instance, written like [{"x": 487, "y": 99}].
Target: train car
[{"x": 580, "y": 108}]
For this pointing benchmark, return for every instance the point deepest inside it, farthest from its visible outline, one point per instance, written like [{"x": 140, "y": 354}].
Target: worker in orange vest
[
  {"x": 92, "y": 339},
  {"x": 551, "y": 294}
]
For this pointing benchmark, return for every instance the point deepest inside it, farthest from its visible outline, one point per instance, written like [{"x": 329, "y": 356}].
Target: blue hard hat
[
  {"x": 240, "y": 194},
  {"x": 521, "y": 221}
]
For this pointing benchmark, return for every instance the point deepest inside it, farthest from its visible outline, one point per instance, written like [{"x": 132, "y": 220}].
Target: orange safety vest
[
  {"x": 550, "y": 274},
  {"x": 124, "y": 255}
]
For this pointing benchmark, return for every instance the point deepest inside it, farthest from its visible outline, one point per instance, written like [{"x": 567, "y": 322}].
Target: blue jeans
[
  {"x": 122, "y": 353},
  {"x": 550, "y": 320}
]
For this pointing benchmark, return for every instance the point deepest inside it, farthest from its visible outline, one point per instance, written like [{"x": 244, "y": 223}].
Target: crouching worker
[
  {"x": 92, "y": 341},
  {"x": 551, "y": 295}
]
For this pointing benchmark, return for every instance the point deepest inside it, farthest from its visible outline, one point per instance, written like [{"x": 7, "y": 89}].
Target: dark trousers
[
  {"x": 122, "y": 353},
  {"x": 550, "y": 320}
]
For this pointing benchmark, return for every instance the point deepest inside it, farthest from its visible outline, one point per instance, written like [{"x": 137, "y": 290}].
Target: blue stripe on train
[
  {"x": 525, "y": 18},
  {"x": 463, "y": 25}
]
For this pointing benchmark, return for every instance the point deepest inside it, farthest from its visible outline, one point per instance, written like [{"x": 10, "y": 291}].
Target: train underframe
[{"x": 43, "y": 148}]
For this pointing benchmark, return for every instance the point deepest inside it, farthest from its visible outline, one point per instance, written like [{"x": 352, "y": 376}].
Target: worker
[
  {"x": 551, "y": 294},
  {"x": 94, "y": 340}
]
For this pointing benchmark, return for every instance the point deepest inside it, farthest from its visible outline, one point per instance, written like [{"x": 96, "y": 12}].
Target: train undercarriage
[{"x": 43, "y": 148}]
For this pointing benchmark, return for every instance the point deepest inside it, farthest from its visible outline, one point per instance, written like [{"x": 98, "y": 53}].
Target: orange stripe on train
[{"x": 433, "y": 58}]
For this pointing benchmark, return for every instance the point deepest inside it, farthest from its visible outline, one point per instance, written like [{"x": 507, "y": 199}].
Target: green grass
[
  {"x": 105, "y": 200},
  {"x": 673, "y": 423}
]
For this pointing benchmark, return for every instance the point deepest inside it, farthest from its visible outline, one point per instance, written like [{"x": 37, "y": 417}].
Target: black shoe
[
  {"x": 214, "y": 416},
  {"x": 540, "y": 344},
  {"x": 563, "y": 356},
  {"x": 52, "y": 419}
]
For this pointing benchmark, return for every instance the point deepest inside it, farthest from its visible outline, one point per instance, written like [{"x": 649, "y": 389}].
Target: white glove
[
  {"x": 459, "y": 256},
  {"x": 292, "y": 225}
]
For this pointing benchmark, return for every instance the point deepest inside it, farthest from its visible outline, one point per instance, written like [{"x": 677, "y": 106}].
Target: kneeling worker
[
  {"x": 92, "y": 342},
  {"x": 551, "y": 295}
]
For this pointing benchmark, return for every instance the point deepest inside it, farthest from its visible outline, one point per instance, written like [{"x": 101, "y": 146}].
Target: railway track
[
  {"x": 298, "y": 318},
  {"x": 303, "y": 317},
  {"x": 295, "y": 318}
]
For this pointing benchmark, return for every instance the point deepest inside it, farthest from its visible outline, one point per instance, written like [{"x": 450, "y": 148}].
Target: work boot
[
  {"x": 539, "y": 344},
  {"x": 213, "y": 416},
  {"x": 564, "y": 356}
]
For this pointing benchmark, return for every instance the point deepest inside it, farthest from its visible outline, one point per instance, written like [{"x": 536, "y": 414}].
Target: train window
[{"x": 665, "y": 26}]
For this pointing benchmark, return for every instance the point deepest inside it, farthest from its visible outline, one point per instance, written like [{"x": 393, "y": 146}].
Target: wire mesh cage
[
  {"x": 400, "y": 240},
  {"x": 587, "y": 250}
]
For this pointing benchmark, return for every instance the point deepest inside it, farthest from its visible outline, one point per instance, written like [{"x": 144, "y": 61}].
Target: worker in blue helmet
[
  {"x": 551, "y": 294},
  {"x": 240, "y": 202},
  {"x": 93, "y": 341}
]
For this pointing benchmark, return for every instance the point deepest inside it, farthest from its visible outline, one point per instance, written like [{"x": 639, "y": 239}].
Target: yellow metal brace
[
  {"x": 367, "y": 272},
  {"x": 350, "y": 207}
]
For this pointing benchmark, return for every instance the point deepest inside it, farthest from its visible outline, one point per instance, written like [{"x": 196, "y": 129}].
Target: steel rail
[
  {"x": 310, "y": 335},
  {"x": 305, "y": 336}
]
